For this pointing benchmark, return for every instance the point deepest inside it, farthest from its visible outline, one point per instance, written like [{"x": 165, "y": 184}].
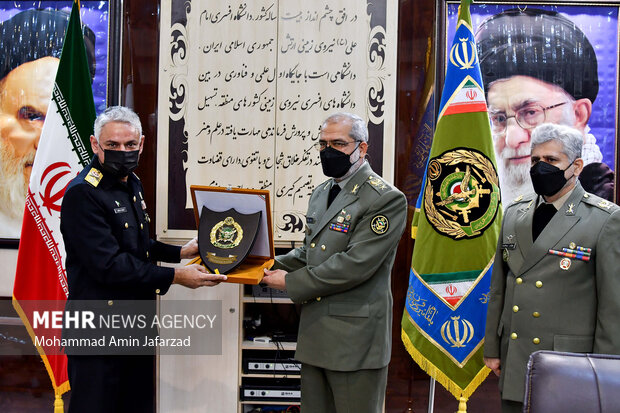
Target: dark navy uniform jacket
[{"x": 110, "y": 255}]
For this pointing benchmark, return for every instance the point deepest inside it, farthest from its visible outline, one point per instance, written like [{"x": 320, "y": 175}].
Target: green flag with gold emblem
[{"x": 456, "y": 226}]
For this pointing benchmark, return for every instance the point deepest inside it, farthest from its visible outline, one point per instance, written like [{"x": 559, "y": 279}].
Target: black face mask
[
  {"x": 548, "y": 179},
  {"x": 335, "y": 163},
  {"x": 120, "y": 163}
]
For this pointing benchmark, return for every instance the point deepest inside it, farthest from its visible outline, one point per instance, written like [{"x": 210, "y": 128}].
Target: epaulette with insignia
[
  {"x": 599, "y": 202},
  {"x": 94, "y": 177},
  {"x": 379, "y": 184}
]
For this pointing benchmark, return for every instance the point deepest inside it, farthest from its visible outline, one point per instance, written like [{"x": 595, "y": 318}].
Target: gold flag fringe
[{"x": 460, "y": 394}]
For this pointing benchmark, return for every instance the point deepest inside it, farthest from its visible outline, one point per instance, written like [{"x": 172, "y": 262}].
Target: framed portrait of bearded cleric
[
  {"x": 554, "y": 62},
  {"x": 32, "y": 38}
]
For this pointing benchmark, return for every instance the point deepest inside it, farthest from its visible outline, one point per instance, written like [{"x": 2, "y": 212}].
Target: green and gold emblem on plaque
[
  {"x": 226, "y": 238},
  {"x": 462, "y": 196},
  {"x": 226, "y": 234}
]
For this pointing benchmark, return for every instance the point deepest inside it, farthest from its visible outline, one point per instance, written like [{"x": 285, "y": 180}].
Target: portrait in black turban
[
  {"x": 32, "y": 34},
  {"x": 541, "y": 44},
  {"x": 546, "y": 46},
  {"x": 31, "y": 43}
]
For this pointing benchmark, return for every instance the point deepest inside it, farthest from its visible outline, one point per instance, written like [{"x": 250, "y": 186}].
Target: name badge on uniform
[
  {"x": 509, "y": 246},
  {"x": 120, "y": 210}
]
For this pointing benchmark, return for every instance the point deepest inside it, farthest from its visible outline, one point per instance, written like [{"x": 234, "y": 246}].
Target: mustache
[
  {"x": 13, "y": 187},
  {"x": 508, "y": 152},
  {"x": 28, "y": 159}
]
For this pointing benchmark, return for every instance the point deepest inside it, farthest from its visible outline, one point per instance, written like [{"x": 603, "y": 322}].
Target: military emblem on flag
[
  {"x": 461, "y": 197},
  {"x": 456, "y": 226}
]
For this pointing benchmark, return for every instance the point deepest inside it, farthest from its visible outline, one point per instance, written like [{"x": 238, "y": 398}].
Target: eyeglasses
[
  {"x": 528, "y": 117},
  {"x": 339, "y": 145}
]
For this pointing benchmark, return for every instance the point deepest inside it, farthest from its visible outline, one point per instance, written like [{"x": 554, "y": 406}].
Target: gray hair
[
  {"x": 570, "y": 138},
  {"x": 117, "y": 114},
  {"x": 359, "y": 130}
]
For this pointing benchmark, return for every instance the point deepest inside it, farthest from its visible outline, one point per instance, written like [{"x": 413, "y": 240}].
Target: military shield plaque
[{"x": 225, "y": 238}]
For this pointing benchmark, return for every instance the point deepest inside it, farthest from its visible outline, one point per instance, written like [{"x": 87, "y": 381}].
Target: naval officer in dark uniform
[
  {"x": 110, "y": 256},
  {"x": 341, "y": 276},
  {"x": 555, "y": 283}
]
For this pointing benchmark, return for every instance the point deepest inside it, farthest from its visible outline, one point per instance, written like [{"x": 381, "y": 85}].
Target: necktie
[
  {"x": 542, "y": 216},
  {"x": 333, "y": 192}
]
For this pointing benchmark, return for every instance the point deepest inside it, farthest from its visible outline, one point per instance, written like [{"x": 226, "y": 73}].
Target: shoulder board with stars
[
  {"x": 94, "y": 177},
  {"x": 377, "y": 183},
  {"x": 600, "y": 203}
]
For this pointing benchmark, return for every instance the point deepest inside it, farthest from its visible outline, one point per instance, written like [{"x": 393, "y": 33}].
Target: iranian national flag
[
  {"x": 63, "y": 151},
  {"x": 456, "y": 225}
]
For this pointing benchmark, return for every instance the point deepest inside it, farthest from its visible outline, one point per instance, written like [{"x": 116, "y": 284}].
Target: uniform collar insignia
[{"x": 529, "y": 205}]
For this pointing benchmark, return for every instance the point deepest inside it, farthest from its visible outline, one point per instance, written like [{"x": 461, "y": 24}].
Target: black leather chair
[{"x": 570, "y": 382}]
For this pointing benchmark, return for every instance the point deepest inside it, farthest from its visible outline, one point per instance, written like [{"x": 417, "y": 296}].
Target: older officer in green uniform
[
  {"x": 555, "y": 283},
  {"x": 341, "y": 276}
]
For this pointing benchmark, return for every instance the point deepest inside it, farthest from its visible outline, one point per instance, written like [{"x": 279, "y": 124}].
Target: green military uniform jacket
[
  {"x": 341, "y": 274},
  {"x": 540, "y": 301}
]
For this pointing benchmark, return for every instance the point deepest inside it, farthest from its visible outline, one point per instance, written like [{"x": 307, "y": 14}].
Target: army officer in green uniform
[
  {"x": 341, "y": 276},
  {"x": 555, "y": 283}
]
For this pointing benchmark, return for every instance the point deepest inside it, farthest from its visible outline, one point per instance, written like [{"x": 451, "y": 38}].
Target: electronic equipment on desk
[
  {"x": 270, "y": 365},
  {"x": 275, "y": 409},
  {"x": 284, "y": 393}
]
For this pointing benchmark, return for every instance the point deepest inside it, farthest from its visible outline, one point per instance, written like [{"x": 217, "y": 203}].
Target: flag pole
[
  {"x": 431, "y": 396},
  {"x": 409, "y": 408}
]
